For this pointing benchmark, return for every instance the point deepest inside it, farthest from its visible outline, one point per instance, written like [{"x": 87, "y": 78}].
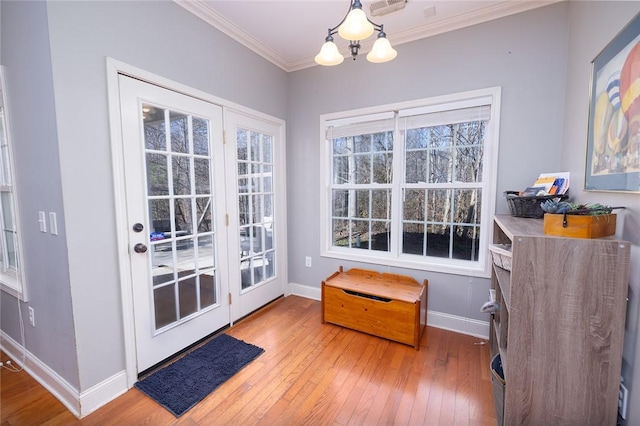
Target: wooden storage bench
[{"x": 386, "y": 305}]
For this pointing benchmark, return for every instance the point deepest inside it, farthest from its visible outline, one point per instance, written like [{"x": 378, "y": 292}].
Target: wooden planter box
[
  {"x": 386, "y": 305},
  {"x": 596, "y": 226}
]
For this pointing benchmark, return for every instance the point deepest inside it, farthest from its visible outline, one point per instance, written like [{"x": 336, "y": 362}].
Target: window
[
  {"x": 412, "y": 184},
  {"x": 10, "y": 265}
]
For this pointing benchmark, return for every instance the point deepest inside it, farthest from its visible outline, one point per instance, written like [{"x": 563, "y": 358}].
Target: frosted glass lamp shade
[
  {"x": 381, "y": 51},
  {"x": 355, "y": 26},
  {"x": 329, "y": 55}
]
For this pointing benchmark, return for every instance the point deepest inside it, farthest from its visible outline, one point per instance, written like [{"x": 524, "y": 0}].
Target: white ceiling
[{"x": 289, "y": 33}]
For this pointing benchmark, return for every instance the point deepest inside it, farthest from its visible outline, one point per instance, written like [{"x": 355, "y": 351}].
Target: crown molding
[
  {"x": 203, "y": 11},
  {"x": 494, "y": 11},
  {"x": 478, "y": 16}
]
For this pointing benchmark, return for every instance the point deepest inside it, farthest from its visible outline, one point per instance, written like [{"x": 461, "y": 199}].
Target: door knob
[
  {"x": 140, "y": 248},
  {"x": 138, "y": 227}
]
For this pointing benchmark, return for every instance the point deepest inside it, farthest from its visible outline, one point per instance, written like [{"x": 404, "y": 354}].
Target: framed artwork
[{"x": 613, "y": 140}]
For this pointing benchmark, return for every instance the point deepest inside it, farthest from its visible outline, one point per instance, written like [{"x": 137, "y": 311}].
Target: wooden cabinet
[{"x": 560, "y": 327}]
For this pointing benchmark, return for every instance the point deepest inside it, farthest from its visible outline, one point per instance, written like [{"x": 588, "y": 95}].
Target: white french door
[
  {"x": 255, "y": 154},
  {"x": 205, "y": 219},
  {"x": 174, "y": 172}
]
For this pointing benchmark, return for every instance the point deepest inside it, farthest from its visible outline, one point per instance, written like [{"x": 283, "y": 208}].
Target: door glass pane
[
  {"x": 154, "y": 127},
  {"x": 203, "y": 212},
  {"x": 201, "y": 170},
  {"x": 179, "y": 124},
  {"x": 255, "y": 206},
  {"x": 200, "y": 136},
  {"x": 164, "y": 300},
  {"x": 207, "y": 288},
  {"x": 157, "y": 175},
  {"x": 188, "y": 297},
  {"x": 181, "y": 208},
  {"x": 181, "y": 175}
]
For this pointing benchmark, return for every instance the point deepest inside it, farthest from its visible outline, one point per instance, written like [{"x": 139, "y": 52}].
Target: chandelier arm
[{"x": 334, "y": 30}]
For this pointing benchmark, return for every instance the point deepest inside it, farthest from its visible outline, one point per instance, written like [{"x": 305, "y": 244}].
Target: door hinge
[
  {"x": 224, "y": 137},
  {"x": 230, "y": 298},
  {"x": 226, "y": 219}
]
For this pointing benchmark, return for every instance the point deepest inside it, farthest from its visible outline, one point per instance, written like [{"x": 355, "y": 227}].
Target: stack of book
[{"x": 548, "y": 184}]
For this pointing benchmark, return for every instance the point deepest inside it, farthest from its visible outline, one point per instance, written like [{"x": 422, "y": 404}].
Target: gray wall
[
  {"x": 31, "y": 106},
  {"x": 525, "y": 54},
  {"x": 593, "y": 25},
  {"x": 56, "y": 51}
]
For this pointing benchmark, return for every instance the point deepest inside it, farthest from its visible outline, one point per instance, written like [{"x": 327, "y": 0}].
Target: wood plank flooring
[{"x": 310, "y": 374}]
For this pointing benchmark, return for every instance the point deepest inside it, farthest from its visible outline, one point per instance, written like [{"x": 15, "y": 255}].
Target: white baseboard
[
  {"x": 305, "y": 291},
  {"x": 102, "y": 393},
  {"x": 79, "y": 404},
  {"x": 463, "y": 325},
  {"x": 449, "y": 322}
]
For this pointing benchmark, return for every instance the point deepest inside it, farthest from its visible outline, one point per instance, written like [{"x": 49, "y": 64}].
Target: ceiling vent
[{"x": 384, "y": 7}]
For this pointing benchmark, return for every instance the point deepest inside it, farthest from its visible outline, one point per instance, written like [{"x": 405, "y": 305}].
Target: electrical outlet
[
  {"x": 623, "y": 398},
  {"x": 32, "y": 317},
  {"x": 307, "y": 261}
]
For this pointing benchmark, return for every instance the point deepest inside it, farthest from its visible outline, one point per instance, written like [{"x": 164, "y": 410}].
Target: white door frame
[{"x": 113, "y": 68}]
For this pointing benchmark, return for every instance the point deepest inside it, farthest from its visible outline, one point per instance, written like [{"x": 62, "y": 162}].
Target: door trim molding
[{"x": 115, "y": 67}]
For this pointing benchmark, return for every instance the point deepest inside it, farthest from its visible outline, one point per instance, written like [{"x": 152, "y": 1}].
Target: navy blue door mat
[{"x": 181, "y": 385}]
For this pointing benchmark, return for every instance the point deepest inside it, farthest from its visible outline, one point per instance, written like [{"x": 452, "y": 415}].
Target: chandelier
[{"x": 355, "y": 27}]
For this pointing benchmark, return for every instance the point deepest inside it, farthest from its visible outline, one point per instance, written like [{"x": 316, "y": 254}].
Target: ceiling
[{"x": 289, "y": 33}]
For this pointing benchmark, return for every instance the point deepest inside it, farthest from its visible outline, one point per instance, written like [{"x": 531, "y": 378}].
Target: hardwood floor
[{"x": 310, "y": 374}]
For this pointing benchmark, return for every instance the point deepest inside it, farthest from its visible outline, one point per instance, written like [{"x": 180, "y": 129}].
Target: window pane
[
  {"x": 381, "y": 204},
  {"x": 413, "y": 238},
  {"x": 362, "y": 143},
  {"x": 341, "y": 146},
  {"x": 203, "y": 211},
  {"x": 440, "y": 165},
  {"x": 382, "y": 168},
  {"x": 207, "y": 288},
  {"x": 267, "y": 142},
  {"x": 183, "y": 216},
  {"x": 254, "y": 150},
  {"x": 340, "y": 203},
  {"x": 414, "y": 203},
  {"x": 188, "y": 296},
  {"x": 438, "y": 240},
  {"x": 7, "y": 211},
  {"x": 383, "y": 141},
  {"x": 200, "y": 136},
  {"x": 165, "y": 305},
  {"x": 179, "y": 126},
  {"x": 12, "y": 250},
  {"x": 380, "y": 236},
  {"x": 361, "y": 206},
  {"x": 416, "y": 166},
  {"x": 241, "y": 142},
  {"x": 362, "y": 169},
  {"x": 157, "y": 175},
  {"x": 181, "y": 175},
  {"x": 154, "y": 128},
  {"x": 341, "y": 170},
  {"x": 159, "y": 216},
  {"x": 202, "y": 175},
  {"x": 340, "y": 230},
  {"x": 360, "y": 234},
  {"x": 439, "y": 205}
]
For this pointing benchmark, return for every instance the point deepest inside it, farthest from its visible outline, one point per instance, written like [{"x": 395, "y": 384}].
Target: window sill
[
  {"x": 445, "y": 266},
  {"x": 11, "y": 285}
]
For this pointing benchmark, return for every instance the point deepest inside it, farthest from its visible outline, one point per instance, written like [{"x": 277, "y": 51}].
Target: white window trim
[
  {"x": 12, "y": 282},
  {"x": 482, "y": 268}
]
